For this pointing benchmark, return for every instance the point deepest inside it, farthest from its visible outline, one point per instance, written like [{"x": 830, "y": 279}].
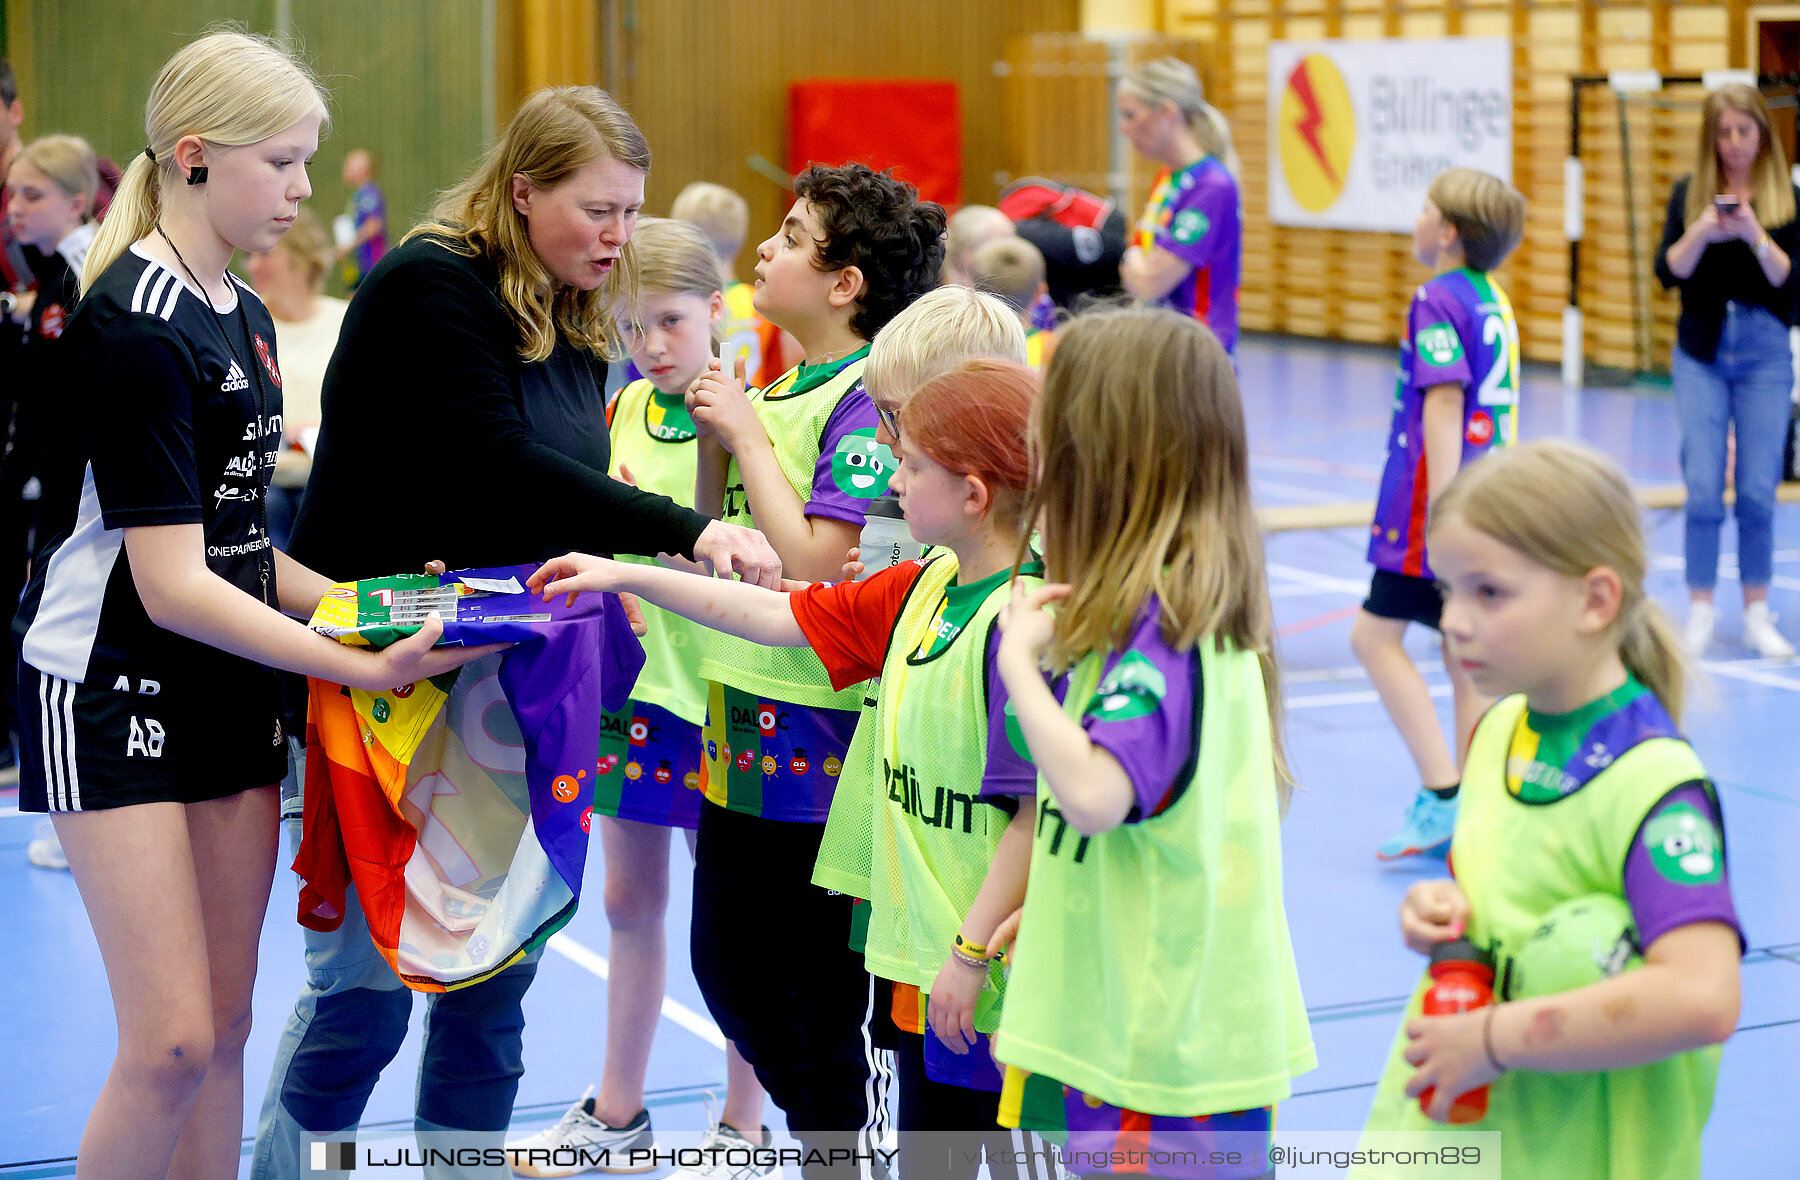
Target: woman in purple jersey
[
  {"x": 1187, "y": 250},
  {"x": 1729, "y": 242}
]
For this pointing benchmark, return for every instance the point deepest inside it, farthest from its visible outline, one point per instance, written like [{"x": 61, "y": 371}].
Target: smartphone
[{"x": 1725, "y": 205}]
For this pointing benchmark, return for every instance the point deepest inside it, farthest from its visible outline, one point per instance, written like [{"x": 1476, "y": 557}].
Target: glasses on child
[{"x": 889, "y": 419}]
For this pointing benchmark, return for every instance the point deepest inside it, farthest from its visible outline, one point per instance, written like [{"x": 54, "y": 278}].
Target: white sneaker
[
  {"x": 1761, "y": 635},
  {"x": 732, "y": 1158},
  {"x": 45, "y": 850},
  {"x": 580, "y": 1142},
  {"x": 1700, "y": 620}
]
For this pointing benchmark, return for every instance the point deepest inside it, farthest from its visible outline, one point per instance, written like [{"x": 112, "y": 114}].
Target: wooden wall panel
[
  {"x": 404, "y": 77},
  {"x": 405, "y": 83},
  {"x": 1059, "y": 112},
  {"x": 1356, "y": 285},
  {"x": 84, "y": 67},
  {"x": 545, "y": 43},
  {"x": 708, "y": 82}
]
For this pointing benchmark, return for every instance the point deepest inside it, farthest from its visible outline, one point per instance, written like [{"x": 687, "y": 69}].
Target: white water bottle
[{"x": 886, "y": 539}]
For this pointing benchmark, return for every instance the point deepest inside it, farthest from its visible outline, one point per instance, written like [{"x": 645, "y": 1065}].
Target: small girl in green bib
[{"x": 1578, "y": 787}]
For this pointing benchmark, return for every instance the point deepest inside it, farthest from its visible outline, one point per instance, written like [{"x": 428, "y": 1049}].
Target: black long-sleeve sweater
[
  {"x": 440, "y": 442},
  {"x": 1726, "y": 272}
]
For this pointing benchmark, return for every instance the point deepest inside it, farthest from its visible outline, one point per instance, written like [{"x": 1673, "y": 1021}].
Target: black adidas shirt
[{"x": 177, "y": 426}]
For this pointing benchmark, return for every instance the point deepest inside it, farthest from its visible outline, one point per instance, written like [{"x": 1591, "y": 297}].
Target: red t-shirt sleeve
[{"x": 848, "y": 623}]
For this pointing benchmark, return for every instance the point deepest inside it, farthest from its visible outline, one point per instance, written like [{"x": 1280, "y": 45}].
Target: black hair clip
[
  {"x": 150, "y": 154},
  {"x": 197, "y": 176}
]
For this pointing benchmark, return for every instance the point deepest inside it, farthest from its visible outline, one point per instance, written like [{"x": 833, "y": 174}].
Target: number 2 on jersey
[{"x": 1501, "y": 385}]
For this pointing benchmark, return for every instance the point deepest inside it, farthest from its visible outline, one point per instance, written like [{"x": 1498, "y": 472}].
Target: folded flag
[{"x": 459, "y": 806}]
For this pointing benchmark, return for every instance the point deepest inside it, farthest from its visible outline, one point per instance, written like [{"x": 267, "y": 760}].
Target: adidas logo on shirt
[{"x": 234, "y": 380}]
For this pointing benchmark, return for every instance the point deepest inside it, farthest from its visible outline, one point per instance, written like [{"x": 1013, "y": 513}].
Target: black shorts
[
  {"x": 87, "y": 747},
  {"x": 1406, "y": 597}
]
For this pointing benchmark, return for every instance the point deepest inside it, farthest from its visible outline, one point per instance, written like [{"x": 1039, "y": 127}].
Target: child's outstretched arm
[
  {"x": 1089, "y": 785},
  {"x": 182, "y": 594},
  {"x": 951, "y": 1011},
  {"x": 812, "y": 548},
  {"x": 1685, "y": 997},
  {"x": 738, "y": 608}
]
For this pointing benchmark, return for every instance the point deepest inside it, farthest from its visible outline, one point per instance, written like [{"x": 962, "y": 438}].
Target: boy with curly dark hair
[{"x": 798, "y": 460}]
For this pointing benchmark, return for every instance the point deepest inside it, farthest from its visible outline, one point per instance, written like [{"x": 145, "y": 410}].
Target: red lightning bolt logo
[{"x": 1307, "y": 126}]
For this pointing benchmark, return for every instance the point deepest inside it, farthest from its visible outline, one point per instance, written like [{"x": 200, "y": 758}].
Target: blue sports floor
[{"x": 1318, "y": 421}]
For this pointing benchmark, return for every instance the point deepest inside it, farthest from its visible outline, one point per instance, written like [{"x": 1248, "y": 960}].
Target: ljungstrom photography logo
[{"x": 333, "y": 1157}]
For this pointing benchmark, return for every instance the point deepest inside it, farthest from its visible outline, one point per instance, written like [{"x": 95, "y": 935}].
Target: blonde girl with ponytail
[
  {"x": 1578, "y": 786},
  {"x": 1186, "y": 252},
  {"x": 155, "y": 616}
]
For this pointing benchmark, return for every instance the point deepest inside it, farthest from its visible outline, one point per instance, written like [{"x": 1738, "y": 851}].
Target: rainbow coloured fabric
[{"x": 459, "y": 806}]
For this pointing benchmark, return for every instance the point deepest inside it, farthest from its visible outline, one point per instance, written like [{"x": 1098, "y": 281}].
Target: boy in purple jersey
[
  {"x": 1454, "y": 401},
  {"x": 366, "y": 216}
]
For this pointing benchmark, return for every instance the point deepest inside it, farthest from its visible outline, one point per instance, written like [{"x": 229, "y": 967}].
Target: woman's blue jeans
[{"x": 1748, "y": 384}]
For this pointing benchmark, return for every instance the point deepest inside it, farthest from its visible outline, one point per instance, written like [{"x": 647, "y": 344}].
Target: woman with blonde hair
[
  {"x": 153, "y": 624},
  {"x": 1187, "y": 251},
  {"x": 49, "y": 198},
  {"x": 469, "y": 374},
  {"x": 1729, "y": 242},
  {"x": 291, "y": 280}
]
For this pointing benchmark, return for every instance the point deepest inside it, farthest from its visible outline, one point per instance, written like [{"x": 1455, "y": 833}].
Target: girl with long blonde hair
[
  {"x": 1155, "y": 883},
  {"x": 154, "y": 619}
]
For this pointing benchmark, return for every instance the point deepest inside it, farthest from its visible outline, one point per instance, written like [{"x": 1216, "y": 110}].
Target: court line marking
[
  {"x": 1360, "y": 471},
  {"x": 1727, "y": 670},
  {"x": 1321, "y": 700},
  {"x": 1347, "y": 672},
  {"x": 1728, "y": 566},
  {"x": 1305, "y": 577},
  {"x": 1756, "y": 793},
  {"x": 1324, "y": 620},
  {"x": 1753, "y": 672},
  {"x": 595, "y": 963},
  {"x": 1294, "y": 491},
  {"x": 1293, "y": 590}
]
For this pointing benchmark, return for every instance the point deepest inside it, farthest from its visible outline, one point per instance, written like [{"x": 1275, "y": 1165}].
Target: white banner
[{"x": 1358, "y": 129}]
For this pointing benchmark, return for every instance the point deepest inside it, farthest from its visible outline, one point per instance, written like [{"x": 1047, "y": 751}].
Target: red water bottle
[{"x": 1462, "y": 979}]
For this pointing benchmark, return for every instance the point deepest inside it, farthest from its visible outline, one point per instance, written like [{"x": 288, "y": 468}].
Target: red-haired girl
[{"x": 950, "y": 842}]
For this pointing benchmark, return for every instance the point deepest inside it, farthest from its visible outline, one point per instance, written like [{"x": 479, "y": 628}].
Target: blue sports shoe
[{"x": 1429, "y": 824}]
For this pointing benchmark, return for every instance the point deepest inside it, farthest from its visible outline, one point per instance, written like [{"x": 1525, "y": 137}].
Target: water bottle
[
  {"x": 1462, "y": 978},
  {"x": 886, "y": 539}
]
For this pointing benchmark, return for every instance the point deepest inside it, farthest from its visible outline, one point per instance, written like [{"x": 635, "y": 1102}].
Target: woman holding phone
[{"x": 1729, "y": 241}]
